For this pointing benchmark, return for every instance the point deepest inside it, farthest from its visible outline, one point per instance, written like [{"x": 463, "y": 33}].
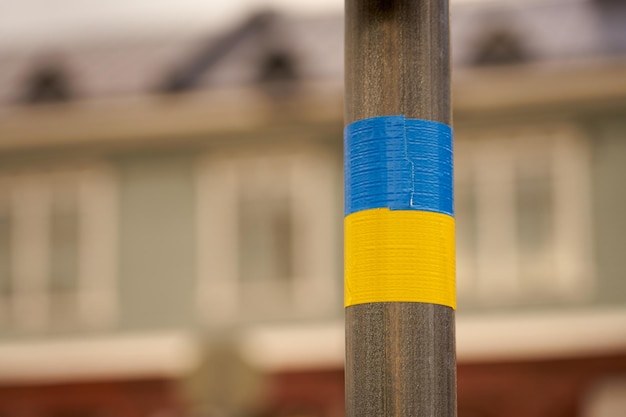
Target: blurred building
[{"x": 171, "y": 219}]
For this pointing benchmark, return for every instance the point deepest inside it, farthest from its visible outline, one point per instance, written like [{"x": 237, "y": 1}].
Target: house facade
[{"x": 171, "y": 219}]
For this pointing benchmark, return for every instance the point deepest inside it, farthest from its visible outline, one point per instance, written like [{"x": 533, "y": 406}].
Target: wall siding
[{"x": 157, "y": 240}]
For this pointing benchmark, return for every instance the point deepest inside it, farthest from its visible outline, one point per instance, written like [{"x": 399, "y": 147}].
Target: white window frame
[
  {"x": 27, "y": 307},
  {"x": 314, "y": 288},
  {"x": 493, "y": 277}
]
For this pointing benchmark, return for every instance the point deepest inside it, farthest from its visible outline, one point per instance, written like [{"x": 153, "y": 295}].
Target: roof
[{"x": 551, "y": 32}]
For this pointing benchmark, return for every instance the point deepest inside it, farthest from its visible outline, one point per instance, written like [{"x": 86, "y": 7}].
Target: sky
[{"x": 57, "y": 22}]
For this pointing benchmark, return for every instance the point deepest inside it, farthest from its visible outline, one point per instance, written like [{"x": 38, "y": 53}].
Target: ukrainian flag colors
[{"x": 399, "y": 224}]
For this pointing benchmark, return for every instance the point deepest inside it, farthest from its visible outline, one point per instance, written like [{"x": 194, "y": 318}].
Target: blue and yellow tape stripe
[
  {"x": 398, "y": 163},
  {"x": 399, "y": 207}
]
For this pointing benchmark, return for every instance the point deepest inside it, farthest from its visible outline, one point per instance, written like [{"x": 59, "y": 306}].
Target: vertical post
[{"x": 399, "y": 224}]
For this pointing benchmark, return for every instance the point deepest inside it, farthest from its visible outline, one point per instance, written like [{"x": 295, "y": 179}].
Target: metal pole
[{"x": 400, "y": 351}]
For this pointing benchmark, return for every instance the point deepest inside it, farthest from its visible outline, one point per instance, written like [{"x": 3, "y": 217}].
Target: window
[
  {"x": 523, "y": 217},
  {"x": 57, "y": 248},
  {"x": 267, "y": 244}
]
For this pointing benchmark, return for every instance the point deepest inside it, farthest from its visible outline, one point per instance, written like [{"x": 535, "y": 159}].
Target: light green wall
[
  {"x": 157, "y": 240},
  {"x": 609, "y": 196}
]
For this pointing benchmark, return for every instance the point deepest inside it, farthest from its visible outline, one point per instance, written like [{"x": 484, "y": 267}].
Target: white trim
[
  {"x": 495, "y": 221},
  {"x": 121, "y": 356},
  {"x": 574, "y": 243},
  {"x": 492, "y": 338},
  {"x": 295, "y": 347},
  {"x": 510, "y": 337},
  {"x": 98, "y": 249},
  {"x": 537, "y": 335},
  {"x": 217, "y": 290}
]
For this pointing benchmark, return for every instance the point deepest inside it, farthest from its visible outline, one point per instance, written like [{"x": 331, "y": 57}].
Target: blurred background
[{"x": 171, "y": 208}]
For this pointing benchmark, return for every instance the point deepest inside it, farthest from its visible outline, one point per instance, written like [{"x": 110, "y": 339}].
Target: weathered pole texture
[{"x": 399, "y": 225}]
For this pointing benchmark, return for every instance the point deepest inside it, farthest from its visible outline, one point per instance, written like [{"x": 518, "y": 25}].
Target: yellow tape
[{"x": 399, "y": 256}]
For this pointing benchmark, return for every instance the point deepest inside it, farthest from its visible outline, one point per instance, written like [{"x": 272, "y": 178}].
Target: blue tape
[{"x": 398, "y": 163}]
